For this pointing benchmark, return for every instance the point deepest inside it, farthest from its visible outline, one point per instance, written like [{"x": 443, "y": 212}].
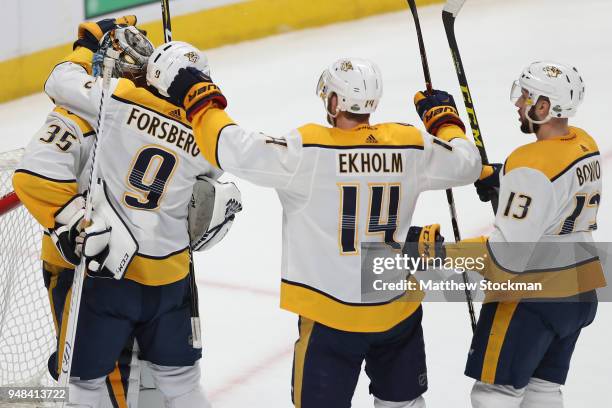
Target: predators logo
[
  {"x": 192, "y": 57},
  {"x": 552, "y": 72},
  {"x": 346, "y": 66}
]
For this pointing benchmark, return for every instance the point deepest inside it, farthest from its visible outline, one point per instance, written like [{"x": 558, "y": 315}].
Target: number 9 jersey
[{"x": 149, "y": 161}]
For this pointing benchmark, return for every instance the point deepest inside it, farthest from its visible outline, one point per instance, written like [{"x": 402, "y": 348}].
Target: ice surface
[{"x": 270, "y": 86}]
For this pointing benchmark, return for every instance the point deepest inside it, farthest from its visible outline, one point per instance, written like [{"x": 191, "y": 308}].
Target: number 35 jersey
[
  {"x": 149, "y": 161},
  {"x": 339, "y": 189}
]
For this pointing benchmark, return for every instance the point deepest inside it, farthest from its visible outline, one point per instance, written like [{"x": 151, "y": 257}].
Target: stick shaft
[
  {"x": 196, "y": 336},
  {"x": 448, "y": 19},
  {"x": 165, "y": 4},
  {"x": 417, "y": 23},
  {"x": 67, "y": 355},
  {"x": 449, "y": 192}
]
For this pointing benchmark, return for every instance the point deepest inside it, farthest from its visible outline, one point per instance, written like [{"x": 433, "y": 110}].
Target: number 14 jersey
[{"x": 339, "y": 189}]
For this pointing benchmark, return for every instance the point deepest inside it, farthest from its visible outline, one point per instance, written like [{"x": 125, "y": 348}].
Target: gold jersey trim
[
  {"x": 152, "y": 271},
  {"x": 207, "y": 127},
  {"x": 553, "y": 157},
  {"x": 381, "y": 136},
  {"x": 364, "y": 318},
  {"x": 42, "y": 196},
  {"x": 127, "y": 92},
  {"x": 556, "y": 283}
]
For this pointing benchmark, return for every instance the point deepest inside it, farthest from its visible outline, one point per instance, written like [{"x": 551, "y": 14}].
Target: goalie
[{"x": 139, "y": 230}]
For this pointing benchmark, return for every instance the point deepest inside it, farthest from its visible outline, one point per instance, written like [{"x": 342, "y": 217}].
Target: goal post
[{"x": 27, "y": 332}]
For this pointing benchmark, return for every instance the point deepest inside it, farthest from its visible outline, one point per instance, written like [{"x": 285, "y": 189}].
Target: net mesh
[{"x": 27, "y": 333}]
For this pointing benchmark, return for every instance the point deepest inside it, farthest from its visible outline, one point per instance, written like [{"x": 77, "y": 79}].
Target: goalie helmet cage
[{"x": 27, "y": 331}]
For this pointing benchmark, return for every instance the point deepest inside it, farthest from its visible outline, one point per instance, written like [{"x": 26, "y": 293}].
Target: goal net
[{"x": 27, "y": 333}]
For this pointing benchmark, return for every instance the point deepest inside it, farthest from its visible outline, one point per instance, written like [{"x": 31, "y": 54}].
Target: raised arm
[
  {"x": 450, "y": 160},
  {"x": 71, "y": 86}
]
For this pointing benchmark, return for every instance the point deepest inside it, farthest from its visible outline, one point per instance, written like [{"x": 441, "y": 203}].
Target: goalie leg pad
[
  {"x": 180, "y": 386},
  {"x": 85, "y": 393}
]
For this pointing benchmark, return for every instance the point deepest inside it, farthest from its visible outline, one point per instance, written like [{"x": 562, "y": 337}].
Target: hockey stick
[
  {"x": 79, "y": 273},
  {"x": 449, "y": 192},
  {"x": 449, "y": 14},
  {"x": 196, "y": 328},
  {"x": 165, "y": 5}
]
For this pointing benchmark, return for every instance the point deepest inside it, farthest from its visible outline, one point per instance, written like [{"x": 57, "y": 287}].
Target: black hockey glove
[
  {"x": 425, "y": 242},
  {"x": 487, "y": 185},
  {"x": 437, "y": 110},
  {"x": 193, "y": 90},
  {"x": 91, "y": 33}
]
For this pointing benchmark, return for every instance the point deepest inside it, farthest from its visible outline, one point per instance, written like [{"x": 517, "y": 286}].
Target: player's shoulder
[
  {"x": 368, "y": 136},
  {"x": 553, "y": 157},
  {"x": 75, "y": 121},
  {"x": 142, "y": 98}
]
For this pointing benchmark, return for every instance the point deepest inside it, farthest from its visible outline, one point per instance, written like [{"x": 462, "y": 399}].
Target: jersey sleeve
[
  {"x": 253, "y": 156},
  {"x": 449, "y": 160},
  {"x": 46, "y": 178},
  {"x": 70, "y": 85}
]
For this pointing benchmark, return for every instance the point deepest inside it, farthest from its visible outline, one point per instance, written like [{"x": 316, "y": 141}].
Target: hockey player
[
  {"x": 50, "y": 182},
  {"x": 549, "y": 193},
  {"x": 340, "y": 186},
  {"x": 148, "y": 173}
]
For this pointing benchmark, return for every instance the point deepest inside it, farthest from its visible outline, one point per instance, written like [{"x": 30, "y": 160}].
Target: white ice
[{"x": 270, "y": 85}]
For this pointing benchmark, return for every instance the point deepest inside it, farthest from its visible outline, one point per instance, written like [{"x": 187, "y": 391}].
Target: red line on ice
[
  {"x": 246, "y": 375},
  {"x": 233, "y": 286}
]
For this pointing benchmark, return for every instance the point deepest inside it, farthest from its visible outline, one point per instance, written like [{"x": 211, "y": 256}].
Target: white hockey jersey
[
  {"x": 549, "y": 195},
  {"x": 53, "y": 169},
  {"x": 339, "y": 188},
  {"x": 149, "y": 160}
]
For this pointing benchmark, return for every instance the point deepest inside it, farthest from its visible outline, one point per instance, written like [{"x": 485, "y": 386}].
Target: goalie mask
[{"x": 134, "y": 51}]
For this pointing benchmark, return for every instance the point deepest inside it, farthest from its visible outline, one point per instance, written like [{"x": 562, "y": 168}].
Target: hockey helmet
[
  {"x": 561, "y": 84},
  {"x": 134, "y": 51},
  {"x": 356, "y": 81},
  {"x": 171, "y": 57}
]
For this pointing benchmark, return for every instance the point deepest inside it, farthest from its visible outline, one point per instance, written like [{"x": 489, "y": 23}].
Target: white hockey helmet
[
  {"x": 560, "y": 83},
  {"x": 168, "y": 58},
  {"x": 357, "y": 82}
]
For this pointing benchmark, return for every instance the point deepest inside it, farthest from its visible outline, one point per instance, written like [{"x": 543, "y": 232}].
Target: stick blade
[{"x": 454, "y": 6}]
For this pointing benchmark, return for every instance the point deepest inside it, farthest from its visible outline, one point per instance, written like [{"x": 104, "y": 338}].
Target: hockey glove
[
  {"x": 107, "y": 243},
  {"x": 91, "y": 33},
  {"x": 437, "y": 110},
  {"x": 194, "y": 91},
  {"x": 212, "y": 212},
  {"x": 425, "y": 242},
  {"x": 487, "y": 185},
  {"x": 93, "y": 242},
  {"x": 68, "y": 225}
]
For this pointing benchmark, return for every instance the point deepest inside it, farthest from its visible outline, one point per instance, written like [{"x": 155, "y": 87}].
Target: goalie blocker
[{"x": 109, "y": 246}]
